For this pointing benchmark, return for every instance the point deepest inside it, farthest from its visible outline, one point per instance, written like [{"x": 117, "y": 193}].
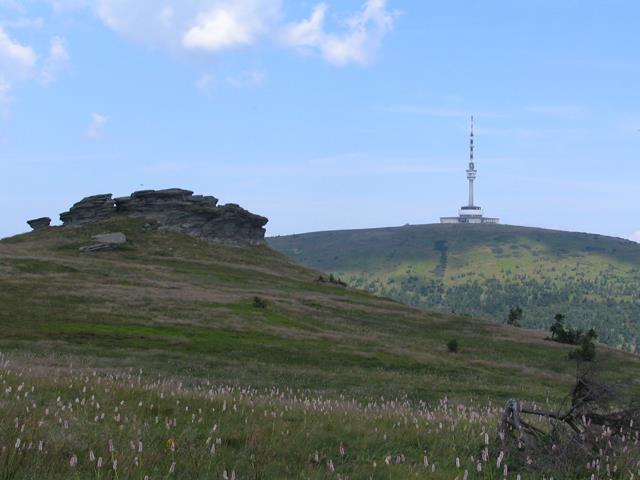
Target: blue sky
[{"x": 342, "y": 114}]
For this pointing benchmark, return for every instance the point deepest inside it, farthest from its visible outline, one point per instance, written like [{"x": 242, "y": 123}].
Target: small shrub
[
  {"x": 587, "y": 350},
  {"x": 259, "y": 302},
  {"x": 452, "y": 345},
  {"x": 332, "y": 279},
  {"x": 515, "y": 315},
  {"x": 336, "y": 281}
]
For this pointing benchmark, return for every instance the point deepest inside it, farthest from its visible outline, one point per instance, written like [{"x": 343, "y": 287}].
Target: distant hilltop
[
  {"x": 485, "y": 270},
  {"x": 173, "y": 209}
]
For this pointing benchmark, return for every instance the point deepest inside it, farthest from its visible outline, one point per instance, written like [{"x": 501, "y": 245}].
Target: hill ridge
[{"x": 484, "y": 270}]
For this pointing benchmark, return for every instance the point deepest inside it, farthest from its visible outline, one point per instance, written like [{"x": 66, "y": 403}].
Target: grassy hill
[
  {"x": 158, "y": 360},
  {"x": 484, "y": 270}
]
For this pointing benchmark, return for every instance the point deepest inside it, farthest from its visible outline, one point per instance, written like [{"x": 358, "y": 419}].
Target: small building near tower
[{"x": 470, "y": 213}]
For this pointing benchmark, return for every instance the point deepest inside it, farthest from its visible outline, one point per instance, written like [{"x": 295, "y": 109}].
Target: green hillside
[
  {"x": 182, "y": 306},
  {"x": 175, "y": 358},
  {"x": 484, "y": 270}
]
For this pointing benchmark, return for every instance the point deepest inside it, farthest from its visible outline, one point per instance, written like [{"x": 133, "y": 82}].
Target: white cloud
[
  {"x": 208, "y": 25},
  {"x": 249, "y": 79},
  {"x": 57, "y": 60},
  {"x": 307, "y": 33},
  {"x": 635, "y": 236},
  {"x": 16, "y": 60},
  {"x": 95, "y": 128},
  {"x": 213, "y": 26},
  {"x": 359, "y": 44},
  {"x": 19, "y": 63},
  {"x": 221, "y": 28}
]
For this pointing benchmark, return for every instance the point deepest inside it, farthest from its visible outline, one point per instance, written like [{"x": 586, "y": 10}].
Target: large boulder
[
  {"x": 89, "y": 210},
  {"x": 39, "y": 223}
]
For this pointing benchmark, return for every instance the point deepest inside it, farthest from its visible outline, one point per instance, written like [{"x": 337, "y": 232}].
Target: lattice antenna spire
[
  {"x": 471, "y": 171},
  {"x": 471, "y": 146}
]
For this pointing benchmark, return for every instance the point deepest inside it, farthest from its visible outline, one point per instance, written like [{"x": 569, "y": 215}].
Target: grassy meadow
[
  {"x": 157, "y": 361},
  {"x": 69, "y": 423}
]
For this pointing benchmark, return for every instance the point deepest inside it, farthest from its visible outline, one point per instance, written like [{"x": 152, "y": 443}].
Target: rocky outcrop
[
  {"x": 39, "y": 223},
  {"x": 105, "y": 241},
  {"x": 89, "y": 210},
  {"x": 196, "y": 215},
  {"x": 175, "y": 210}
]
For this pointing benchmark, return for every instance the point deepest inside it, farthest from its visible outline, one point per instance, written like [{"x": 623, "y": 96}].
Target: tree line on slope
[{"x": 611, "y": 309}]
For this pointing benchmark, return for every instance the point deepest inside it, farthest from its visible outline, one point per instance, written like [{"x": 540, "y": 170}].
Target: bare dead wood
[{"x": 591, "y": 412}]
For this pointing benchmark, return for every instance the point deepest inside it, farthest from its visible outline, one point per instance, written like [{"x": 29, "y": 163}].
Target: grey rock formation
[
  {"x": 175, "y": 210},
  {"x": 105, "y": 241},
  {"x": 39, "y": 223},
  {"x": 89, "y": 210},
  {"x": 196, "y": 215}
]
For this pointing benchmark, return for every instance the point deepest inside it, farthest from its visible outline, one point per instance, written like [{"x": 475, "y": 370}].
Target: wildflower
[
  {"x": 457, "y": 462},
  {"x": 99, "y": 465},
  {"x": 92, "y": 457},
  {"x": 18, "y": 442},
  {"x": 73, "y": 461},
  {"x": 171, "y": 443},
  {"x": 172, "y": 468},
  {"x": 330, "y": 466},
  {"x": 342, "y": 450},
  {"x": 485, "y": 455}
]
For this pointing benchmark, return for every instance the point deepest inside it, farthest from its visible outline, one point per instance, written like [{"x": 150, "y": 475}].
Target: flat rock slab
[
  {"x": 40, "y": 223},
  {"x": 116, "y": 238},
  {"x": 105, "y": 242}
]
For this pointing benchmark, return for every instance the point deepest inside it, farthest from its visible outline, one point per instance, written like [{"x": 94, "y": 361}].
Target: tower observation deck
[{"x": 470, "y": 213}]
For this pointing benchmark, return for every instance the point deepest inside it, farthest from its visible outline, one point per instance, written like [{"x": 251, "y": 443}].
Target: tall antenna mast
[{"x": 470, "y": 213}]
